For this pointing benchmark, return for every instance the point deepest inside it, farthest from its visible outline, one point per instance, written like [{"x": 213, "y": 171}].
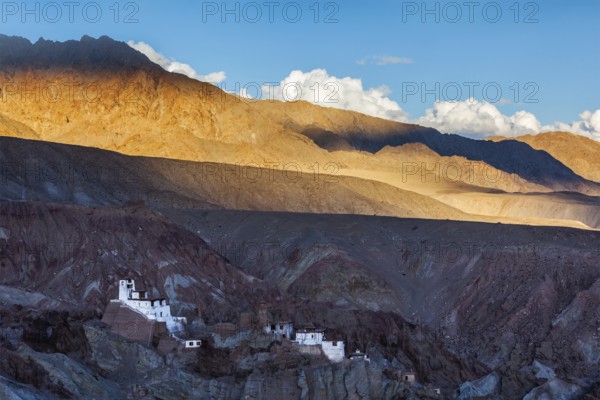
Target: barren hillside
[
  {"x": 101, "y": 93},
  {"x": 577, "y": 152},
  {"x": 507, "y": 294}
]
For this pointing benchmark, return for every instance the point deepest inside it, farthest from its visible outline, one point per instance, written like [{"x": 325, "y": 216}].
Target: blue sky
[{"x": 554, "y": 60}]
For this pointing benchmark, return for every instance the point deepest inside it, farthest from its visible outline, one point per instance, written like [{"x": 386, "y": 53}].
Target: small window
[{"x": 197, "y": 343}]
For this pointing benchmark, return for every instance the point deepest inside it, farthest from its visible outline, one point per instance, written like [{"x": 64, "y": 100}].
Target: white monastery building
[
  {"x": 280, "y": 329},
  {"x": 138, "y": 317},
  {"x": 334, "y": 350},
  {"x": 154, "y": 309}
]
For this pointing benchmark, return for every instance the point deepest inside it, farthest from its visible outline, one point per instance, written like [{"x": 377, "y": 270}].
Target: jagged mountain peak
[{"x": 88, "y": 53}]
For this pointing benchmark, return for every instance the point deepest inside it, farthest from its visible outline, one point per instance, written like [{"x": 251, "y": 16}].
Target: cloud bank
[
  {"x": 318, "y": 87},
  {"x": 588, "y": 125},
  {"x": 482, "y": 119},
  {"x": 474, "y": 118}
]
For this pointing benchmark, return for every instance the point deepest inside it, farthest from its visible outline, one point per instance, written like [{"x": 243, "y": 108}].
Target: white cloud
[
  {"x": 384, "y": 60},
  {"x": 213, "y": 77},
  {"x": 318, "y": 87},
  {"x": 588, "y": 125},
  {"x": 482, "y": 119},
  {"x": 175, "y": 66},
  {"x": 478, "y": 119}
]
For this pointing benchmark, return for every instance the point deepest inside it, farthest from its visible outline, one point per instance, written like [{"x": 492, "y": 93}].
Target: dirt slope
[
  {"x": 52, "y": 172},
  {"x": 577, "y": 152}
]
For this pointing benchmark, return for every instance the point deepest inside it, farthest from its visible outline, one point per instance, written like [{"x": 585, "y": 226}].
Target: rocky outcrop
[
  {"x": 483, "y": 387},
  {"x": 553, "y": 389},
  {"x": 129, "y": 323},
  {"x": 113, "y": 367}
]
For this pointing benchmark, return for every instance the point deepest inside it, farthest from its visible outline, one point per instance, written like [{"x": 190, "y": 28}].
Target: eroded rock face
[
  {"x": 446, "y": 353},
  {"x": 553, "y": 389},
  {"x": 79, "y": 278},
  {"x": 121, "y": 360},
  {"x": 11, "y": 390},
  {"x": 508, "y": 296},
  {"x": 486, "y": 386},
  {"x": 113, "y": 367},
  {"x": 77, "y": 255}
]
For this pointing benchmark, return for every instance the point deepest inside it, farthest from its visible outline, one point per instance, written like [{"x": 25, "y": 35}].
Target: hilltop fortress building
[
  {"x": 153, "y": 309},
  {"x": 136, "y": 316}
]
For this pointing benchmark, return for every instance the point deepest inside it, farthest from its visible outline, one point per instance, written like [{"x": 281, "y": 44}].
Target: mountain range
[{"x": 471, "y": 262}]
